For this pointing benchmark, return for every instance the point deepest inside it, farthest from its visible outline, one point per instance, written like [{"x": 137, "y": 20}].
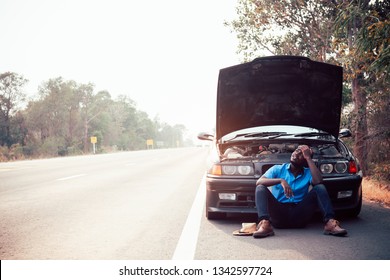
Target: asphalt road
[{"x": 148, "y": 205}]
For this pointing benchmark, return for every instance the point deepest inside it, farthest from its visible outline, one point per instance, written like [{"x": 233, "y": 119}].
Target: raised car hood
[{"x": 279, "y": 90}]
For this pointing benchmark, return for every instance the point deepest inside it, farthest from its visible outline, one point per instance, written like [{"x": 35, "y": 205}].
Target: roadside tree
[{"x": 11, "y": 97}]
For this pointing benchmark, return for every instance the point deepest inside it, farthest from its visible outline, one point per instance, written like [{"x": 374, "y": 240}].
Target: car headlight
[
  {"x": 340, "y": 167},
  {"x": 326, "y": 168},
  {"x": 229, "y": 169},
  {"x": 232, "y": 170},
  {"x": 244, "y": 169}
]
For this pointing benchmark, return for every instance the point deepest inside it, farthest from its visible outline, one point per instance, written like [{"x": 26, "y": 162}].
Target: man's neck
[{"x": 296, "y": 170}]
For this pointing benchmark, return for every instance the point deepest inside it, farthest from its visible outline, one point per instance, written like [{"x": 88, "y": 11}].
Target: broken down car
[{"x": 266, "y": 108}]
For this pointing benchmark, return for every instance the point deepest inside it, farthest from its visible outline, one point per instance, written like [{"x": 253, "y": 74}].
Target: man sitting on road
[{"x": 290, "y": 204}]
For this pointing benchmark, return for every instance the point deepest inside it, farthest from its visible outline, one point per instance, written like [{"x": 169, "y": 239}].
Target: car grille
[{"x": 243, "y": 200}]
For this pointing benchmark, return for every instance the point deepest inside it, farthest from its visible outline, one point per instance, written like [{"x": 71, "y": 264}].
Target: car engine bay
[{"x": 266, "y": 150}]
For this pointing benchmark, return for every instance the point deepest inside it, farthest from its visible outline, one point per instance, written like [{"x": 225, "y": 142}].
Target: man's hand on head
[{"x": 306, "y": 151}]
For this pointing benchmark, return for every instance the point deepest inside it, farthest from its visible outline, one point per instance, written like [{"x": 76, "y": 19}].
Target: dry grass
[{"x": 376, "y": 191}]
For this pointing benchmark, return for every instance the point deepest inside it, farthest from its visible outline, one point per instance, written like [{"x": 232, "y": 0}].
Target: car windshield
[{"x": 275, "y": 131}]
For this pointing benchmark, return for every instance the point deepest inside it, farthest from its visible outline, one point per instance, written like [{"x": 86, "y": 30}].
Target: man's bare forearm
[
  {"x": 267, "y": 182},
  {"x": 315, "y": 172}
]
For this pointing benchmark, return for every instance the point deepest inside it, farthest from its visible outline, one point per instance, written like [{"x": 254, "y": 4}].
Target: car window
[{"x": 329, "y": 150}]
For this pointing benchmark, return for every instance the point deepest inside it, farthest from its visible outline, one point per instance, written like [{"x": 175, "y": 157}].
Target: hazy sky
[{"x": 164, "y": 55}]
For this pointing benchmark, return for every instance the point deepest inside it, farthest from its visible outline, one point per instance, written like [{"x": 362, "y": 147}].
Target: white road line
[
  {"x": 5, "y": 169},
  {"x": 70, "y": 177},
  {"x": 13, "y": 168},
  {"x": 185, "y": 248}
]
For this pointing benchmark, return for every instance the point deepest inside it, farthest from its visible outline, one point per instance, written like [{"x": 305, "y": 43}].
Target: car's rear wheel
[
  {"x": 355, "y": 211},
  {"x": 351, "y": 213}
]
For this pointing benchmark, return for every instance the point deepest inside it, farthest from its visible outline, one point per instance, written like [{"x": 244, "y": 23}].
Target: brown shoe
[
  {"x": 332, "y": 227},
  {"x": 264, "y": 229}
]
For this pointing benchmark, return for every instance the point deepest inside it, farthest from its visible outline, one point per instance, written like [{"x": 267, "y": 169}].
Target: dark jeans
[{"x": 293, "y": 215}]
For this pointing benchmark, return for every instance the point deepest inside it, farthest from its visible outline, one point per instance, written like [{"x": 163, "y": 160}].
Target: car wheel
[
  {"x": 355, "y": 212},
  {"x": 212, "y": 215},
  {"x": 352, "y": 213}
]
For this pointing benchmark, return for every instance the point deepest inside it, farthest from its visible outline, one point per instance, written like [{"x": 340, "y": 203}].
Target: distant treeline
[{"x": 64, "y": 115}]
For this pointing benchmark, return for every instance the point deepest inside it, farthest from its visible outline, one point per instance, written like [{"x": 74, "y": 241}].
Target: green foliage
[
  {"x": 63, "y": 116},
  {"x": 362, "y": 32},
  {"x": 52, "y": 147},
  {"x": 293, "y": 27},
  {"x": 362, "y": 45},
  {"x": 15, "y": 152},
  {"x": 11, "y": 96},
  {"x": 347, "y": 95}
]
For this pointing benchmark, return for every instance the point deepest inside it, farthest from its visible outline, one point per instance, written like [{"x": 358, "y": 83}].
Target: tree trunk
[
  {"x": 70, "y": 127},
  {"x": 86, "y": 144},
  {"x": 360, "y": 102}
]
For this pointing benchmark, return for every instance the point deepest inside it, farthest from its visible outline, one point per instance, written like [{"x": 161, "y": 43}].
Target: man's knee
[
  {"x": 321, "y": 192},
  {"x": 320, "y": 188},
  {"x": 261, "y": 190}
]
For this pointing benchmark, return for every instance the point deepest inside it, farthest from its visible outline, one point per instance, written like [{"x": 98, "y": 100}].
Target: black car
[{"x": 266, "y": 109}]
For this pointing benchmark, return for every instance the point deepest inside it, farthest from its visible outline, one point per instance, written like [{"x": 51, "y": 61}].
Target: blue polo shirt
[{"x": 300, "y": 184}]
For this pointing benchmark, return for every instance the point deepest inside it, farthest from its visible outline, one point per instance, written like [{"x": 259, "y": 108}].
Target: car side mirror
[
  {"x": 345, "y": 132},
  {"x": 205, "y": 136}
]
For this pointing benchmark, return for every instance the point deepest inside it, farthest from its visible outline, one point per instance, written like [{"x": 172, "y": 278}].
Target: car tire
[
  {"x": 212, "y": 215},
  {"x": 355, "y": 211}
]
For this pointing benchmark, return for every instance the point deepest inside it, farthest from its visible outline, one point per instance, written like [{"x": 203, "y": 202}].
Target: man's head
[{"x": 298, "y": 156}]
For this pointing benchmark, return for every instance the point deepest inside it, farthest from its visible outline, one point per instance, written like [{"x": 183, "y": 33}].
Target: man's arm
[
  {"x": 315, "y": 172},
  {"x": 267, "y": 182}
]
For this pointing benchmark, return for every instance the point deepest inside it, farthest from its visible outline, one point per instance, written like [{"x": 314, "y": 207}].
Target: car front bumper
[{"x": 345, "y": 193}]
